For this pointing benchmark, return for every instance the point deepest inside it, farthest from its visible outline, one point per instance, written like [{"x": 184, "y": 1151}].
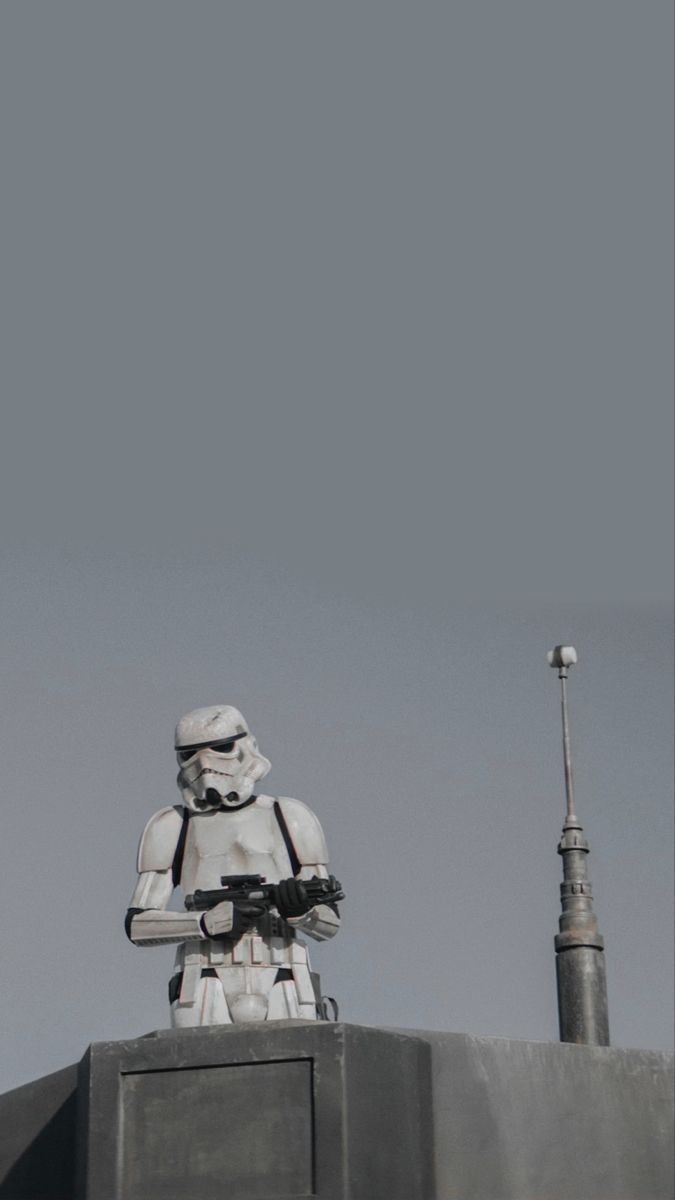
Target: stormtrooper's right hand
[
  {"x": 218, "y": 921},
  {"x": 227, "y": 921}
]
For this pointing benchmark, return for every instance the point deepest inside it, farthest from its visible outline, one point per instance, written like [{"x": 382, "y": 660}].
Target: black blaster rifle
[{"x": 252, "y": 889}]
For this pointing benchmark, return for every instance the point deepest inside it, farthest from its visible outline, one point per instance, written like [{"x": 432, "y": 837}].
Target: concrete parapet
[
  {"x": 292, "y": 1109},
  {"x": 37, "y": 1138},
  {"x": 516, "y": 1120}
]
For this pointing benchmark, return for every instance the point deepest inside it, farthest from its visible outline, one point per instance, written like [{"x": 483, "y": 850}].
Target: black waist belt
[{"x": 209, "y": 973}]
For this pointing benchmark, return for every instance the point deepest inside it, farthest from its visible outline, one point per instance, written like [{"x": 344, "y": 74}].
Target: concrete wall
[
  {"x": 341, "y": 1112},
  {"x": 279, "y": 1109},
  {"x": 37, "y": 1138},
  {"x": 517, "y": 1120}
]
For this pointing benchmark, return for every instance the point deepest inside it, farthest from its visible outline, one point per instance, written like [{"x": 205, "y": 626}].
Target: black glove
[
  {"x": 243, "y": 917},
  {"x": 290, "y": 898}
]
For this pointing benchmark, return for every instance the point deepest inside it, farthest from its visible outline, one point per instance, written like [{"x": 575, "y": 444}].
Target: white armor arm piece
[
  {"x": 147, "y": 923},
  {"x": 321, "y": 922}
]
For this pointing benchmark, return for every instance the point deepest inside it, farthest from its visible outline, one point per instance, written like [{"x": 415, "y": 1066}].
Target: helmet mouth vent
[{"x": 213, "y": 799}]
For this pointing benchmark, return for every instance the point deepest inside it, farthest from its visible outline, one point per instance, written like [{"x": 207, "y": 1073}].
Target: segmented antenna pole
[
  {"x": 567, "y": 748},
  {"x": 580, "y": 958}
]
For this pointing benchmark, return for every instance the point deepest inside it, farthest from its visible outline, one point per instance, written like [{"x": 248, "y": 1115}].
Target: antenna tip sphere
[{"x": 562, "y": 656}]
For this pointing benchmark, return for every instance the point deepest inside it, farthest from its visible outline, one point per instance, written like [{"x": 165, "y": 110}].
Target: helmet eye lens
[{"x": 217, "y": 747}]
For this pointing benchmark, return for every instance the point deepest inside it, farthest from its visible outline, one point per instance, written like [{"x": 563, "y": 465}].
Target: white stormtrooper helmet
[{"x": 218, "y": 757}]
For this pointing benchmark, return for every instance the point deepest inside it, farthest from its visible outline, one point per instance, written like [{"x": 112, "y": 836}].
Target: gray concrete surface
[
  {"x": 342, "y": 1112},
  {"x": 278, "y": 1110},
  {"x": 37, "y": 1138},
  {"x": 516, "y": 1120}
]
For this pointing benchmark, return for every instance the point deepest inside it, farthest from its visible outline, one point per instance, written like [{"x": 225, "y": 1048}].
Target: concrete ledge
[
  {"x": 516, "y": 1120},
  {"x": 280, "y": 1110},
  {"x": 294, "y": 1109}
]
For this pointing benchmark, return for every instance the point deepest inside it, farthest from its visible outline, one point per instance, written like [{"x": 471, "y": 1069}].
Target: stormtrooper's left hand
[{"x": 290, "y": 898}]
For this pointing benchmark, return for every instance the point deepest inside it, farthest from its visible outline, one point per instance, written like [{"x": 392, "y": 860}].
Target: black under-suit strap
[
  {"x": 177, "y": 865},
  {"x": 295, "y": 861}
]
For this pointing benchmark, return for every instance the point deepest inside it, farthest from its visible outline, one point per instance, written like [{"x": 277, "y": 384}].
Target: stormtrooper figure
[{"x": 237, "y": 961}]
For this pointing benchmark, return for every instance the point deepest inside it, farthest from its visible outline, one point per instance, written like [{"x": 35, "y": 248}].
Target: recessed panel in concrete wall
[
  {"x": 259, "y": 1112},
  {"x": 239, "y": 1131}
]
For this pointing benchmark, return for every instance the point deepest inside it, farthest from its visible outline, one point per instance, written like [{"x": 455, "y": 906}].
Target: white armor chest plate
[{"x": 244, "y": 842}]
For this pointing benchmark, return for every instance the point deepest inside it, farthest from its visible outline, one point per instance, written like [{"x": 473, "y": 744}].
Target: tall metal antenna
[{"x": 580, "y": 959}]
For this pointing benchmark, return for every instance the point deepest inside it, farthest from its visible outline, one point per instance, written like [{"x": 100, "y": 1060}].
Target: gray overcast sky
[{"x": 337, "y": 376}]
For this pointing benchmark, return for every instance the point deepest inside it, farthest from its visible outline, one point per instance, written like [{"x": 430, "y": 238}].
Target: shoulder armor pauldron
[
  {"x": 305, "y": 831},
  {"x": 159, "y": 839}
]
